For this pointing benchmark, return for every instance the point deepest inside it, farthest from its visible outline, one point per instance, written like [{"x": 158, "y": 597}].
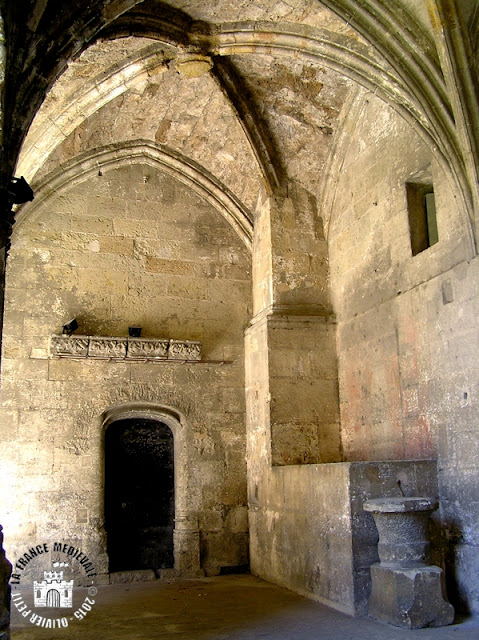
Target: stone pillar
[
  {"x": 406, "y": 590},
  {"x": 186, "y": 544},
  {"x": 5, "y": 572},
  {"x": 290, "y": 349}
]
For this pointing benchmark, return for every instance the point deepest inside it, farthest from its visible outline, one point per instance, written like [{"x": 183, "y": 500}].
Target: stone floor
[{"x": 227, "y": 607}]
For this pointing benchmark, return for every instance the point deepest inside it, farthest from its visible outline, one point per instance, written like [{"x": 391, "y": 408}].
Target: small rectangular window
[{"x": 421, "y": 207}]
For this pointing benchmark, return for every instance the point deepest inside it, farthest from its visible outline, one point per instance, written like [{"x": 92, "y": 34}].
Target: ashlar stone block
[{"x": 409, "y": 597}]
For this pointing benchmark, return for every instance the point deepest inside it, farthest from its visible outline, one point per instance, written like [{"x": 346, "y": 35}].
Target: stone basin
[
  {"x": 400, "y": 505},
  {"x": 402, "y": 526}
]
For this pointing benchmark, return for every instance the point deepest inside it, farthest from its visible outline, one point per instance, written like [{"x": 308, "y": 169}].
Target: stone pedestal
[{"x": 406, "y": 591}]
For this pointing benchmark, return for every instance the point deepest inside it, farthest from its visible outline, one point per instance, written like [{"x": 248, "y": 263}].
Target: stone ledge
[
  {"x": 177, "y": 574},
  {"x": 131, "y": 349},
  {"x": 400, "y": 504},
  {"x": 136, "y": 575}
]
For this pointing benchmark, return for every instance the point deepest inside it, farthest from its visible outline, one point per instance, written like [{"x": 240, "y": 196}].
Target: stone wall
[
  {"x": 308, "y": 530},
  {"x": 406, "y": 336},
  {"x": 129, "y": 247},
  {"x": 292, "y": 381}
]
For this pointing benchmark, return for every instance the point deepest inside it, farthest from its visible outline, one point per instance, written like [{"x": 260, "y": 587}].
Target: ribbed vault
[{"x": 378, "y": 45}]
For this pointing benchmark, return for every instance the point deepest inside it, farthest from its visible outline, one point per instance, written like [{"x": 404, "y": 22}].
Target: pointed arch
[{"x": 159, "y": 156}]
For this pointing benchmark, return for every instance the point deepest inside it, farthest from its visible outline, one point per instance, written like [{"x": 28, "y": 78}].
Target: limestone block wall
[
  {"x": 308, "y": 529},
  {"x": 291, "y": 340},
  {"x": 130, "y": 247},
  {"x": 168, "y": 109},
  {"x": 407, "y": 326}
]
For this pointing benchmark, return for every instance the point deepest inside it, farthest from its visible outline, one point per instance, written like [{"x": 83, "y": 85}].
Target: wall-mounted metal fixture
[
  {"x": 70, "y": 327},
  {"x": 20, "y": 191}
]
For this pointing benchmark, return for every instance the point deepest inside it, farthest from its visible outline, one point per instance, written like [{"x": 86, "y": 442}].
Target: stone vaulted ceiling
[
  {"x": 253, "y": 94},
  {"x": 256, "y": 118}
]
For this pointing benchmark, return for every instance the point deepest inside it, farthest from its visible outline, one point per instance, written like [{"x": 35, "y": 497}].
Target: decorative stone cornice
[
  {"x": 142, "y": 349},
  {"x": 298, "y": 314}
]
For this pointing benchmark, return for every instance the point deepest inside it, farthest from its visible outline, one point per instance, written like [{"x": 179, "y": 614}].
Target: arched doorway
[{"x": 139, "y": 494}]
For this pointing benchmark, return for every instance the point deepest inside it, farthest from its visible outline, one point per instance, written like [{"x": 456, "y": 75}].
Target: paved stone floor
[{"x": 222, "y": 608}]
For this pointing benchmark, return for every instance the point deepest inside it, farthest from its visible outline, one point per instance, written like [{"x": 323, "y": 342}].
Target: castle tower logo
[
  {"x": 53, "y": 591},
  {"x": 66, "y": 593}
]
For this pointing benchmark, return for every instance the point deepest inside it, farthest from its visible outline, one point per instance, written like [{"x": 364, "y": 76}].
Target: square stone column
[
  {"x": 290, "y": 255},
  {"x": 292, "y": 388},
  {"x": 291, "y": 366}
]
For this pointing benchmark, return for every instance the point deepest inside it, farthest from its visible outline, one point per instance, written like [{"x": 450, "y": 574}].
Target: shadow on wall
[{"x": 449, "y": 551}]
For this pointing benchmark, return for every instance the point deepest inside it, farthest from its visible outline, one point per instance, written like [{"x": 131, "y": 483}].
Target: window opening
[{"x": 421, "y": 207}]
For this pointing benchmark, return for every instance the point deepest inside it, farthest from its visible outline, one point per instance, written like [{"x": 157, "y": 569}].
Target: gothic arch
[
  {"x": 161, "y": 157},
  {"x": 414, "y": 87},
  {"x": 399, "y": 62}
]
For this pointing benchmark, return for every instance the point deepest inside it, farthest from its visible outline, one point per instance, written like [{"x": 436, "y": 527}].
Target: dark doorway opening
[{"x": 139, "y": 494}]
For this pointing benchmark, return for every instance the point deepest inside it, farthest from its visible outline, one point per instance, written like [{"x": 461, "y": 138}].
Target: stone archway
[{"x": 185, "y": 533}]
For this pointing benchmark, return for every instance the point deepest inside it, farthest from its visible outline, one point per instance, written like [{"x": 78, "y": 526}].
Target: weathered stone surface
[
  {"x": 406, "y": 591},
  {"x": 143, "y": 575},
  {"x": 69, "y": 346},
  {"x": 409, "y": 597},
  {"x": 299, "y": 140},
  {"x": 404, "y": 386},
  {"x": 156, "y": 349},
  {"x": 402, "y": 526},
  {"x": 376, "y": 480},
  {"x": 107, "y": 347},
  {"x": 121, "y": 348},
  {"x": 180, "y": 350},
  {"x": 313, "y": 515},
  {"x": 63, "y": 399}
]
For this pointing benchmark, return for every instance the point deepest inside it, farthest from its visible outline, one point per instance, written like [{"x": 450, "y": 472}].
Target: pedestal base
[
  {"x": 409, "y": 597},
  {"x": 187, "y": 550}
]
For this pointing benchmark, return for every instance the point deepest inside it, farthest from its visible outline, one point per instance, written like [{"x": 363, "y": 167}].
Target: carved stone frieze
[
  {"x": 107, "y": 348},
  {"x": 69, "y": 346},
  {"x": 144, "y": 348},
  {"x": 124, "y": 348},
  {"x": 184, "y": 350}
]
